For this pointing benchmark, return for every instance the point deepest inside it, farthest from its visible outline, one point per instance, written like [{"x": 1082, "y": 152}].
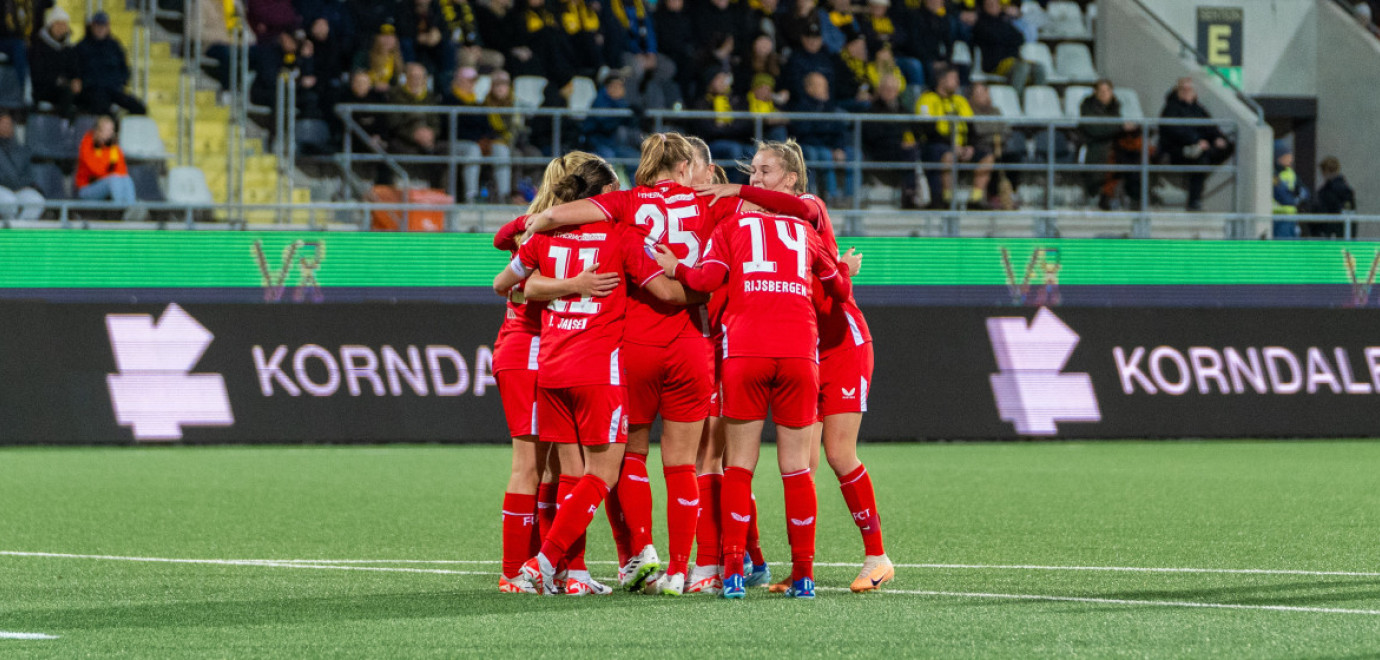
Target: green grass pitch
[{"x": 996, "y": 543}]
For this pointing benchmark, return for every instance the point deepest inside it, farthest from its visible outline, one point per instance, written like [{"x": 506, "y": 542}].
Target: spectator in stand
[
  {"x": 763, "y": 59},
  {"x": 720, "y": 54},
  {"x": 675, "y": 39},
  {"x": 1000, "y": 40},
  {"x": 839, "y": 25},
  {"x": 552, "y": 54},
  {"x": 270, "y": 18},
  {"x": 723, "y": 17},
  {"x": 947, "y": 141},
  {"x": 101, "y": 170},
  {"x": 728, "y": 138},
  {"x": 1192, "y": 145},
  {"x": 104, "y": 71},
  {"x": 218, "y": 20},
  {"x": 383, "y": 61},
  {"x": 810, "y": 58},
  {"x": 425, "y": 37},
  {"x": 415, "y": 133},
  {"x": 581, "y": 24},
  {"x": 1335, "y": 197},
  {"x": 1115, "y": 144},
  {"x": 372, "y": 15},
  {"x": 630, "y": 42},
  {"x": 612, "y": 137},
  {"x": 764, "y": 99},
  {"x": 459, "y": 20},
  {"x": 762, "y": 18},
  {"x": 796, "y": 24},
  {"x": 285, "y": 55},
  {"x": 883, "y": 33},
  {"x": 933, "y": 41},
  {"x": 328, "y": 63},
  {"x": 891, "y": 141},
  {"x": 1291, "y": 196},
  {"x": 852, "y": 86},
  {"x": 56, "y": 74},
  {"x": 475, "y": 136},
  {"x": 509, "y": 130},
  {"x": 883, "y": 64},
  {"x": 503, "y": 32},
  {"x": 822, "y": 140},
  {"x": 18, "y": 198},
  {"x": 996, "y": 138},
  {"x": 16, "y": 24},
  {"x": 339, "y": 15},
  {"x": 362, "y": 92}
]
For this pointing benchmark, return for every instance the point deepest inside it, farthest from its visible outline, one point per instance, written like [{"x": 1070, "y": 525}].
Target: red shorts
[
  {"x": 716, "y": 398},
  {"x": 674, "y": 381},
  {"x": 587, "y": 414},
  {"x": 518, "y": 390},
  {"x": 844, "y": 378},
  {"x": 789, "y": 385}
]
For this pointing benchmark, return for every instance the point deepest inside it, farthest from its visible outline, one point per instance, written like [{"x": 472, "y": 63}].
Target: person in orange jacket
[{"x": 101, "y": 170}]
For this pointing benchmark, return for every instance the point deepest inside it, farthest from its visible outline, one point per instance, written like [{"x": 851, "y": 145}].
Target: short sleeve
[
  {"x": 530, "y": 253},
  {"x": 617, "y": 205}
]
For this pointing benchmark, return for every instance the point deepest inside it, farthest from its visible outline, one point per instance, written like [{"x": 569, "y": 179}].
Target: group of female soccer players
[{"x": 607, "y": 329}]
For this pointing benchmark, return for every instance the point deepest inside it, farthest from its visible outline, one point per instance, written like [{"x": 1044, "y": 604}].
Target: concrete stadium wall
[
  {"x": 1123, "y": 27},
  {"x": 1350, "y": 93},
  {"x": 1280, "y": 50}
]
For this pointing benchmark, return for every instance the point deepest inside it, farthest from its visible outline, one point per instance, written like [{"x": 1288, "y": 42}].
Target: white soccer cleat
[
  {"x": 705, "y": 580},
  {"x": 640, "y": 567},
  {"x": 540, "y": 572},
  {"x": 517, "y": 585},
  {"x": 581, "y": 584},
  {"x": 669, "y": 584}
]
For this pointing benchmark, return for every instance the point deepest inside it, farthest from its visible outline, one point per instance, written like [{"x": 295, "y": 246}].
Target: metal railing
[
  {"x": 1051, "y": 165},
  {"x": 285, "y": 132}
]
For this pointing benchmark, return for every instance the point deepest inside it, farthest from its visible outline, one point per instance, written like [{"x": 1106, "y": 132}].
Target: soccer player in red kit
[
  {"x": 769, "y": 345},
  {"x": 581, "y": 397},
  {"x": 515, "y": 369},
  {"x": 845, "y": 352},
  {"x": 668, "y": 356}
]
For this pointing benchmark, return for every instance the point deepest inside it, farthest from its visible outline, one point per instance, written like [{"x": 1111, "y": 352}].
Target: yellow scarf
[
  {"x": 537, "y": 19},
  {"x": 883, "y": 25},
  {"x": 721, "y": 104},
  {"x": 855, "y": 66},
  {"x": 760, "y": 107},
  {"x": 875, "y": 72},
  {"x": 577, "y": 18},
  {"x": 383, "y": 68},
  {"x": 840, "y": 19},
  {"x": 467, "y": 98}
]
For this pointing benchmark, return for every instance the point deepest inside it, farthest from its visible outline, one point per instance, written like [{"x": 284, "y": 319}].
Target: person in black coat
[
  {"x": 809, "y": 58},
  {"x": 822, "y": 140},
  {"x": 53, "y": 65},
  {"x": 892, "y": 141},
  {"x": 1000, "y": 40},
  {"x": 1192, "y": 145},
  {"x": 1334, "y": 197},
  {"x": 104, "y": 71}
]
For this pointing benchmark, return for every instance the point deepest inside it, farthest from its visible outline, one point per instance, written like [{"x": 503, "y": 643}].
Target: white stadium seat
[
  {"x": 1066, "y": 20},
  {"x": 140, "y": 139},
  {"x": 1130, "y": 103},
  {"x": 1042, "y": 102},
  {"x": 1004, "y": 98},
  {"x": 1074, "y": 61},
  {"x": 482, "y": 85},
  {"x": 529, "y": 91},
  {"x": 583, "y": 93},
  {"x": 1038, "y": 53},
  {"x": 962, "y": 55},
  {"x": 1073, "y": 99}
]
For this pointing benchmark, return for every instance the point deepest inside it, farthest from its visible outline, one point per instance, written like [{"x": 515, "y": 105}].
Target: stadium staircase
[{"x": 213, "y": 121}]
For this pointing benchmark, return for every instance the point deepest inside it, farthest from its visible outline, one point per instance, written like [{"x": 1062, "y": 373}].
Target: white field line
[
  {"x": 1120, "y": 601},
  {"x": 19, "y": 635},
  {"x": 320, "y": 565}
]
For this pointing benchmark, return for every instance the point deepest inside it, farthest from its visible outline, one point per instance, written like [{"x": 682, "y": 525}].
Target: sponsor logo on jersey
[
  {"x": 155, "y": 393},
  {"x": 1031, "y": 390}
]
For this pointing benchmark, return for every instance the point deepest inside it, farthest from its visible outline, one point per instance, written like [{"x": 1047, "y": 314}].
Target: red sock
[
  {"x": 622, "y": 540},
  {"x": 754, "y": 539},
  {"x": 862, "y": 503},
  {"x": 575, "y": 552},
  {"x": 736, "y": 512},
  {"x": 800, "y": 522},
  {"x": 519, "y": 519},
  {"x": 573, "y": 518},
  {"x": 708, "y": 552},
  {"x": 682, "y": 512},
  {"x": 546, "y": 513},
  {"x": 635, "y": 496}
]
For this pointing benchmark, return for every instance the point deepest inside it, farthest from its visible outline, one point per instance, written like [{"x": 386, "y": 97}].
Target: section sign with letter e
[{"x": 1220, "y": 40}]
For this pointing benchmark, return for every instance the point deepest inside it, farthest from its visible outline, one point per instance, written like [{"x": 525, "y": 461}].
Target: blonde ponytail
[{"x": 661, "y": 153}]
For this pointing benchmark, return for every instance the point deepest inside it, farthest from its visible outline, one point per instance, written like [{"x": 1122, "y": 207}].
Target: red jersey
[
  {"x": 520, "y": 336},
  {"x": 767, "y": 261},
  {"x": 841, "y": 323},
  {"x": 580, "y": 337},
  {"x": 666, "y": 212}
]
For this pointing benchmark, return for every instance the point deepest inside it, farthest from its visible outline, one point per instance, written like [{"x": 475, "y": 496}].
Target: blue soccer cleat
[
  {"x": 802, "y": 588},
  {"x": 758, "y": 576},
  {"x": 733, "y": 586}
]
